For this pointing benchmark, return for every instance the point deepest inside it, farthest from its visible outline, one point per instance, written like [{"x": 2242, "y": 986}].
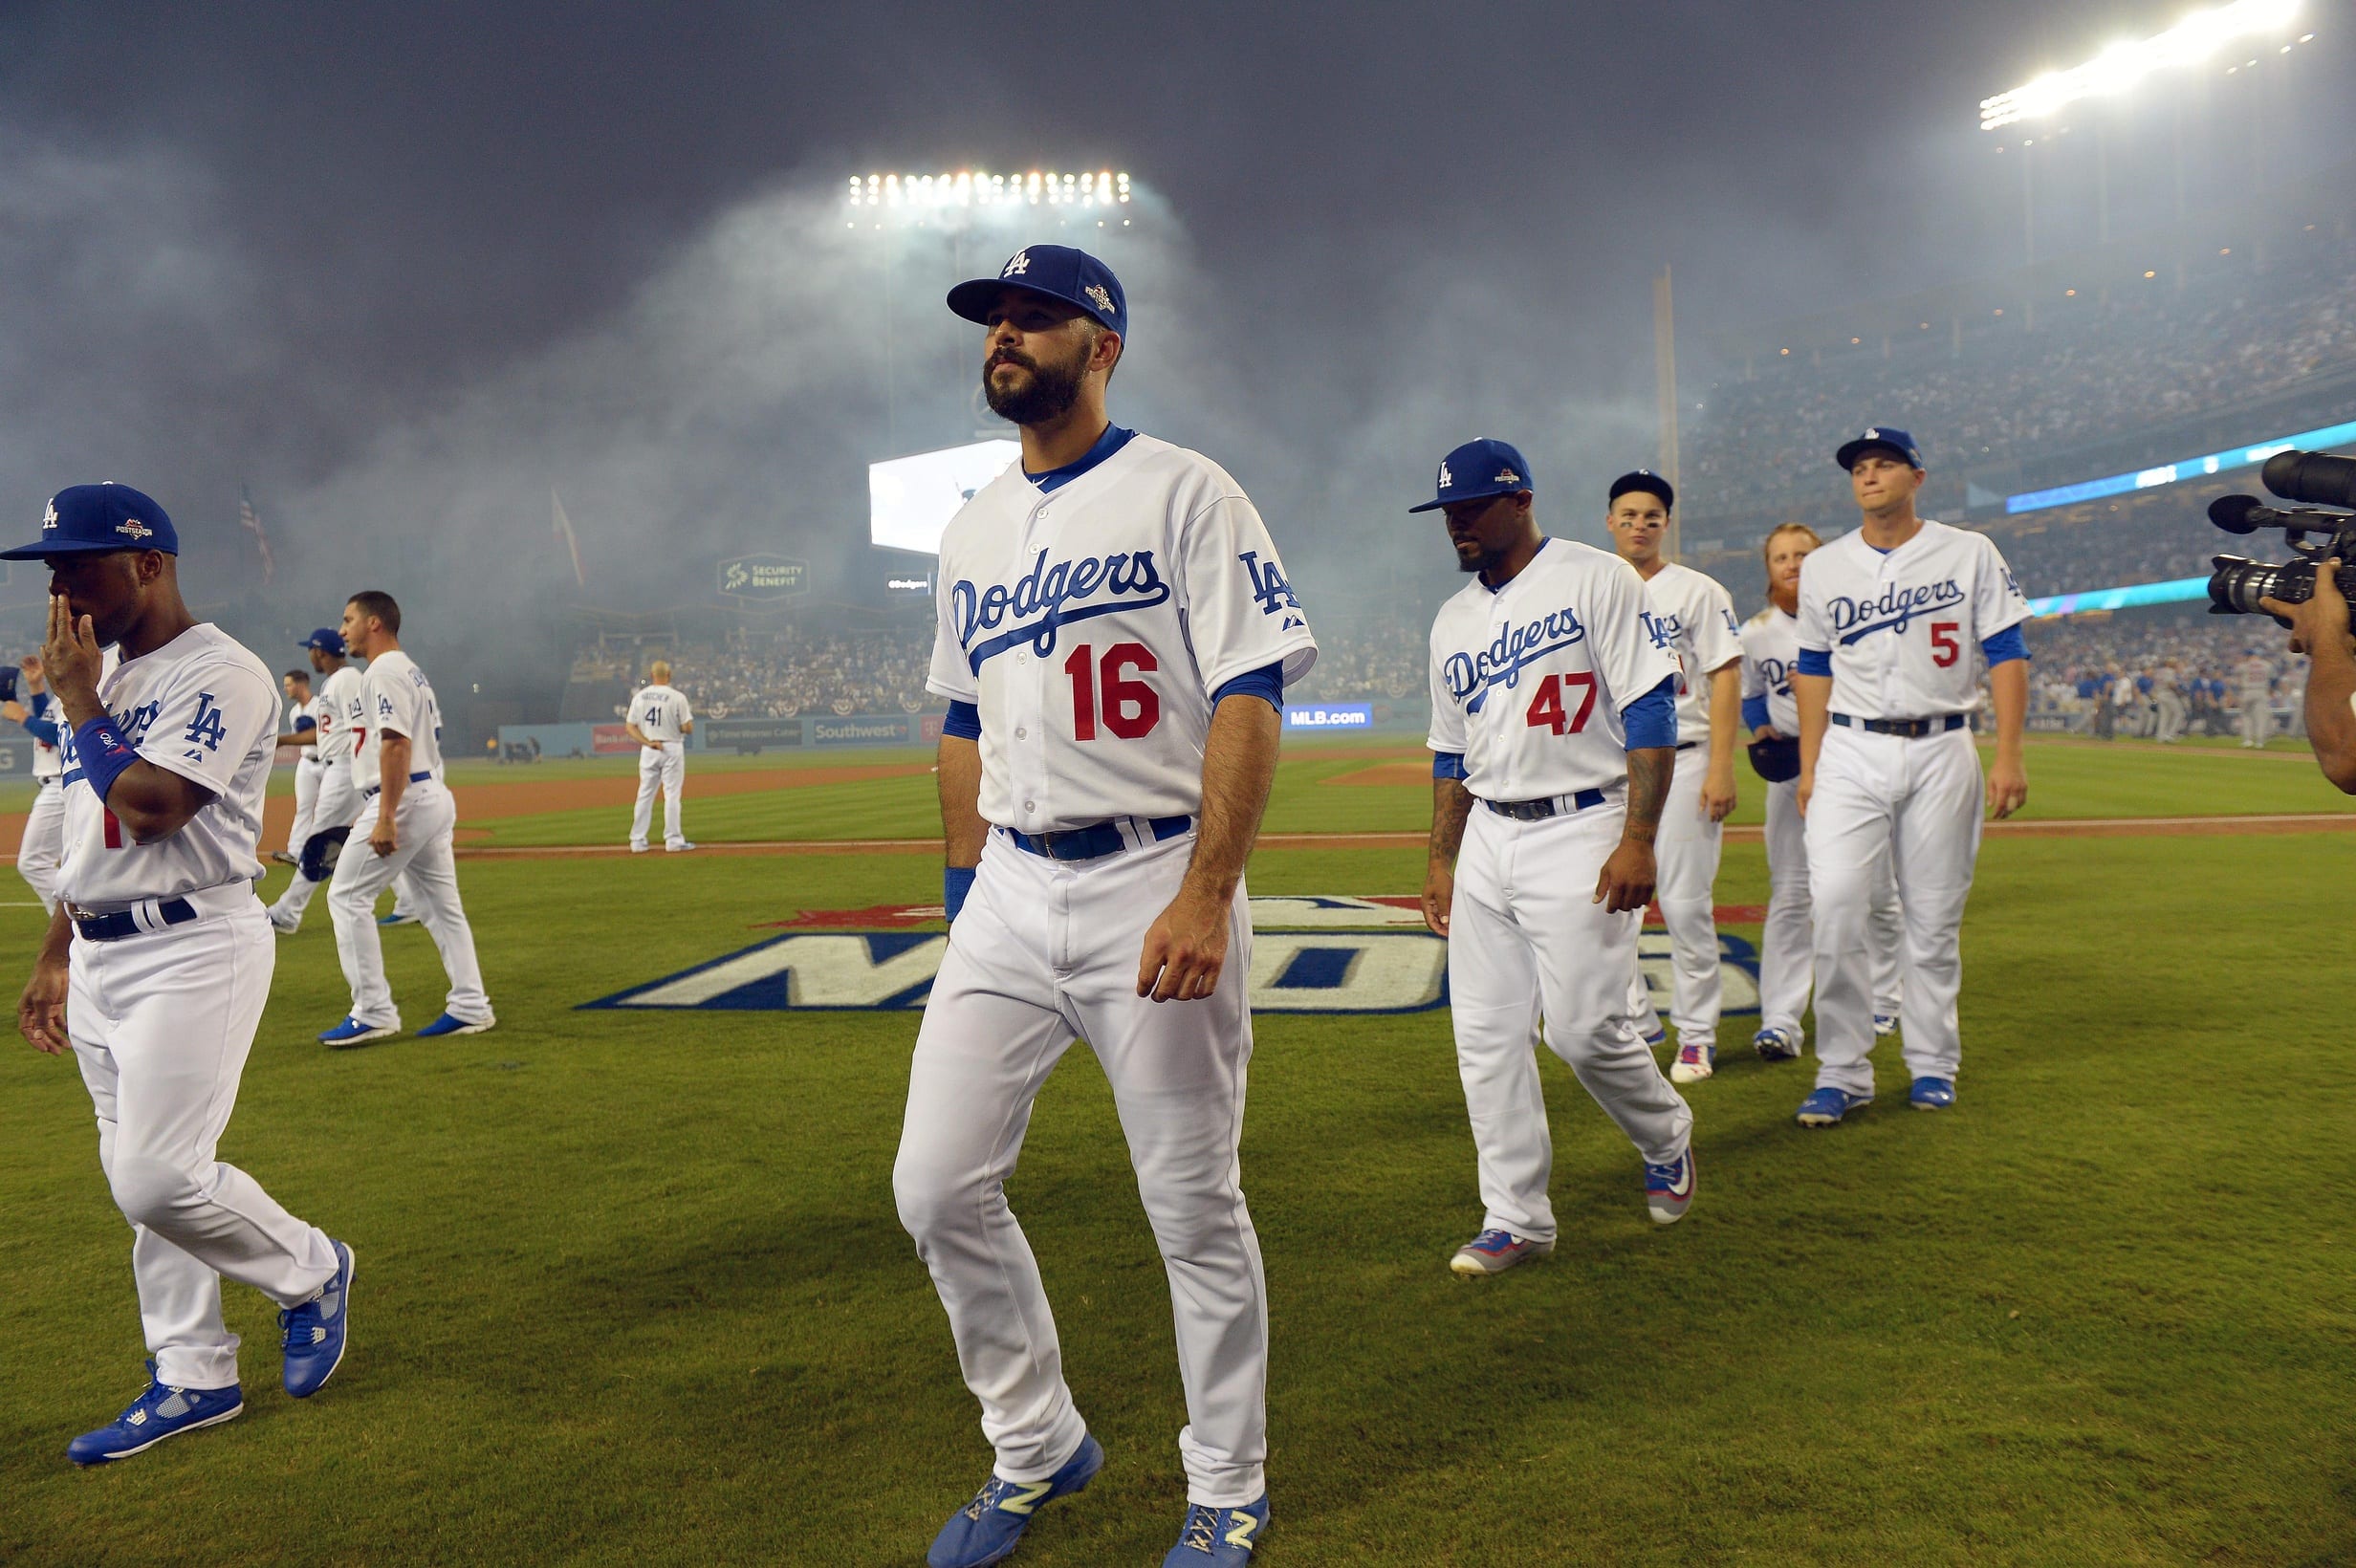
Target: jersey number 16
[{"x": 1131, "y": 708}]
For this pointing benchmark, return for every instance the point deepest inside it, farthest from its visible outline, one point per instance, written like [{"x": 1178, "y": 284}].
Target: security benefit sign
[
  {"x": 1331, "y": 954},
  {"x": 763, "y": 580}
]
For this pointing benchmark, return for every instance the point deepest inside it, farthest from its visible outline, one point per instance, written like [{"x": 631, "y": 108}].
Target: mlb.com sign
[
  {"x": 1328, "y": 716},
  {"x": 1333, "y": 955}
]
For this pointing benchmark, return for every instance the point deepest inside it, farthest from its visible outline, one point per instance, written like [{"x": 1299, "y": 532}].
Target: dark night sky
[{"x": 400, "y": 269}]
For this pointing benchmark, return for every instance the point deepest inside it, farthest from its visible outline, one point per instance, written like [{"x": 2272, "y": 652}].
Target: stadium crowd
[
  {"x": 779, "y": 674},
  {"x": 2149, "y": 356}
]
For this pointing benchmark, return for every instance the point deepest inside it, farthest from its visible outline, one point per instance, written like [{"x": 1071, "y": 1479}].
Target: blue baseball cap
[
  {"x": 327, "y": 639},
  {"x": 1884, "y": 438},
  {"x": 1477, "y": 471},
  {"x": 1059, "y": 272},
  {"x": 87, "y": 519}
]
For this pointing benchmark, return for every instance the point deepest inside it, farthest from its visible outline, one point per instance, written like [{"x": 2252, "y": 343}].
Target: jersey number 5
[
  {"x": 1546, "y": 708},
  {"x": 1131, "y": 709},
  {"x": 1945, "y": 650}
]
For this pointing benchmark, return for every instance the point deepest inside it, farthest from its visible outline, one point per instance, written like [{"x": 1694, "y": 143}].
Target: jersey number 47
[{"x": 1546, "y": 710}]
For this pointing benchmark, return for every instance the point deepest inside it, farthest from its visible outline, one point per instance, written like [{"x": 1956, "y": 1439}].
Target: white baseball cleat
[
  {"x": 678, "y": 847},
  {"x": 1494, "y": 1252},
  {"x": 1694, "y": 1062},
  {"x": 1668, "y": 1189},
  {"x": 638, "y": 849}
]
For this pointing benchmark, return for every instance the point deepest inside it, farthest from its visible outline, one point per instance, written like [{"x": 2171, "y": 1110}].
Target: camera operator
[{"x": 2320, "y": 630}]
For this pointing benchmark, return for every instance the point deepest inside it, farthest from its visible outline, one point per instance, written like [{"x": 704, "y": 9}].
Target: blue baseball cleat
[
  {"x": 1827, "y": 1106},
  {"x": 988, "y": 1528},
  {"x": 313, "y": 1333},
  {"x": 1932, "y": 1094},
  {"x": 450, "y": 1024},
  {"x": 1776, "y": 1043},
  {"x": 1494, "y": 1252},
  {"x": 1219, "y": 1538},
  {"x": 397, "y": 917},
  {"x": 1884, "y": 1025},
  {"x": 352, "y": 1032},
  {"x": 1668, "y": 1189},
  {"x": 160, "y": 1412}
]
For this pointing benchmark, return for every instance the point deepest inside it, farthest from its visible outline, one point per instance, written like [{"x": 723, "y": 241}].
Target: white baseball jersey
[
  {"x": 1903, "y": 626},
  {"x": 340, "y": 714},
  {"x": 205, "y": 708},
  {"x": 2255, "y": 674},
  {"x": 1769, "y": 651},
  {"x": 662, "y": 713},
  {"x": 1528, "y": 681},
  {"x": 1091, "y": 624},
  {"x": 395, "y": 695},
  {"x": 47, "y": 764},
  {"x": 1694, "y": 618}
]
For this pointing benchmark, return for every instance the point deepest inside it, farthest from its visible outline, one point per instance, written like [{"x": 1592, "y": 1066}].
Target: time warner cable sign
[
  {"x": 762, "y": 580},
  {"x": 1331, "y": 954}
]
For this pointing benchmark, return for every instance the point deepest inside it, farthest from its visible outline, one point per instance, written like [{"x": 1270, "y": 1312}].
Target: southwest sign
[{"x": 1329, "y": 954}]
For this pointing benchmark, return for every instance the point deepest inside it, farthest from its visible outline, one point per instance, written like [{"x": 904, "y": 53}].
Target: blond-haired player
[
  {"x": 659, "y": 721},
  {"x": 1771, "y": 714}
]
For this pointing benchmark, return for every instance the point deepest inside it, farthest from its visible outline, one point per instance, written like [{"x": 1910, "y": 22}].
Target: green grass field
[{"x": 632, "y": 1290}]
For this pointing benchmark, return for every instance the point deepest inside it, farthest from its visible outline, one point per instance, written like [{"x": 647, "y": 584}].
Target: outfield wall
[{"x": 804, "y": 731}]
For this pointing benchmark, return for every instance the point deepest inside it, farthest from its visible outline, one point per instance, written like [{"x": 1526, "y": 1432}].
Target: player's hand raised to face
[
  {"x": 70, "y": 654},
  {"x": 1185, "y": 947},
  {"x": 40, "y": 1012}
]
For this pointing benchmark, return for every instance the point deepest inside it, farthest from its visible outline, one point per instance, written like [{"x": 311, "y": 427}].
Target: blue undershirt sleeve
[
  {"x": 1754, "y": 712},
  {"x": 305, "y": 724},
  {"x": 1651, "y": 719},
  {"x": 1816, "y": 662},
  {"x": 44, "y": 730},
  {"x": 964, "y": 721},
  {"x": 1448, "y": 765},
  {"x": 1266, "y": 683},
  {"x": 2007, "y": 643}
]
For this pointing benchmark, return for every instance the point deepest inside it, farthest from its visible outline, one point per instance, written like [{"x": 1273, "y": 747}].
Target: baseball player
[
  {"x": 43, "y": 842},
  {"x": 405, "y": 822},
  {"x": 1890, "y": 617},
  {"x": 1787, "y": 949},
  {"x": 659, "y": 721},
  {"x": 1554, "y": 731},
  {"x": 1114, "y": 637},
  {"x": 1694, "y": 619},
  {"x": 158, "y": 960},
  {"x": 2167, "y": 704},
  {"x": 2256, "y": 679},
  {"x": 302, "y": 725},
  {"x": 325, "y": 823}
]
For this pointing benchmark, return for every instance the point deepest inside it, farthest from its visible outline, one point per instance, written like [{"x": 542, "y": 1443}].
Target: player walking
[
  {"x": 302, "y": 729},
  {"x": 336, "y": 797},
  {"x": 1553, "y": 712},
  {"x": 1889, "y": 616},
  {"x": 158, "y": 961},
  {"x": 1694, "y": 619},
  {"x": 1114, "y": 637},
  {"x": 1787, "y": 951},
  {"x": 2256, "y": 678},
  {"x": 43, "y": 842},
  {"x": 660, "y": 722},
  {"x": 405, "y": 822}
]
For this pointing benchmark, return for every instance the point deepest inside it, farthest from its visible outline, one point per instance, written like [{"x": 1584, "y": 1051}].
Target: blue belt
[
  {"x": 115, "y": 926},
  {"x": 1095, "y": 840},
  {"x": 369, "y": 791},
  {"x": 1537, "y": 811},
  {"x": 1905, "y": 728}
]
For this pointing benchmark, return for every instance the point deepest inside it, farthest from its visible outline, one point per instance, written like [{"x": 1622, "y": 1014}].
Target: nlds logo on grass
[{"x": 1334, "y": 954}]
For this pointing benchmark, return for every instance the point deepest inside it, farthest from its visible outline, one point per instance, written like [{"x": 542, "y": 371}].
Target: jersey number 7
[{"x": 1546, "y": 707}]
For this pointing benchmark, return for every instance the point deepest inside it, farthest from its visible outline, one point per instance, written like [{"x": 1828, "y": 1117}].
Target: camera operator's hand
[{"x": 2322, "y": 622}]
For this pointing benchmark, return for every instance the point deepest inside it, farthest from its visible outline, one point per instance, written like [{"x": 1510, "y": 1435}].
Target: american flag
[
  {"x": 251, "y": 522},
  {"x": 564, "y": 531}
]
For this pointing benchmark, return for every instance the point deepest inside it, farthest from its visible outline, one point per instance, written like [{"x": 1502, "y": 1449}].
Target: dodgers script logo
[
  {"x": 1893, "y": 609},
  {"x": 1777, "y": 676},
  {"x": 1044, "y": 592},
  {"x": 1471, "y": 676}
]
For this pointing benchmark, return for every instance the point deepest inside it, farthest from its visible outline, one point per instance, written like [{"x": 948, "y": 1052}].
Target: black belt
[
  {"x": 1687, "y": 745},
  {"x": 115, "y": 926},
  {"x": 1904, "y": 729},
  {"x": 1098, "y": 838},
  {"x": 1537, "y": 811},
  {"x": 369, "y": 791}
]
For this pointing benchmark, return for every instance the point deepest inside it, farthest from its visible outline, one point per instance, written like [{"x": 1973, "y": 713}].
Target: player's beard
[{"x": 1048, "y": 396}]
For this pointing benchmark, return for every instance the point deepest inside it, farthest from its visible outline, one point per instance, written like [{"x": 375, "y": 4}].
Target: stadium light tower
[
  {"x": 2123, "y": 65},
  {"x": 976, "y": 193}
]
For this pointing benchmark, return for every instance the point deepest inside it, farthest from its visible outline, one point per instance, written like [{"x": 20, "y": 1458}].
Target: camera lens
[
  {"x": 2316, "y": 478},
  {"x": 2239, "y": 584}
]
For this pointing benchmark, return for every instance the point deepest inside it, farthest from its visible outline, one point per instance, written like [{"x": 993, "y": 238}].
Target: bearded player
[{"x": 1114, "y": 635}]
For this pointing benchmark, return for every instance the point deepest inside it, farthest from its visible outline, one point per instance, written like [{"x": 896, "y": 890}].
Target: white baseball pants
[
  {"x": 1686, "y": 852},
  {"x": 1045, "y": 950},
  {"x": 1787, "y": 948},
  {"x": 39, "y": 852},
  {"x": 308, "y": 777},
  {"x": 1526, "y": 938},
  {"x": 2257, "y": 718},
  {"x": 334, "y": 802},
  {"x": 424, "y": 823},
  {"x": 161, "y": 1025},
  {"x": 1887, "y": 806},
  {"x": 663, "y": 768}
]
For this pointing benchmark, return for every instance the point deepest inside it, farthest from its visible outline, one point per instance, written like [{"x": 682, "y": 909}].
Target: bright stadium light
[
  {"x": 2123, "y": 65},
  {"x": 970, "y": 189}
]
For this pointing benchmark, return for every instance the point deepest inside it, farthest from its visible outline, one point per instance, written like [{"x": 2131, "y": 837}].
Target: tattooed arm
[{"x": 1626, "y": 881}]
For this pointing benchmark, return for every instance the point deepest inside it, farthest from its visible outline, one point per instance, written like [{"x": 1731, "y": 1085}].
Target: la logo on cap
[
  {"x": 1021, "y": 265},
  {"x": 1874, "y": 435},
  {"x": 1446, "y": 478},
  {"x": 49, "y": 518}
]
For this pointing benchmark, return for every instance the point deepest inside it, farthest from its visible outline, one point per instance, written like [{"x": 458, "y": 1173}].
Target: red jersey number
[
  {"x": 1546, "y": 711},
  {"x": 1945, "y": 649},
  {"x": 1130, "y": 707}
]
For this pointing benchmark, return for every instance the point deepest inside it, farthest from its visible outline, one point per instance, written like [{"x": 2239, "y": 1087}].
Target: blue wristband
[
  {"x": 102, "y": 754},
  {"x": 956, "y": 881}
]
